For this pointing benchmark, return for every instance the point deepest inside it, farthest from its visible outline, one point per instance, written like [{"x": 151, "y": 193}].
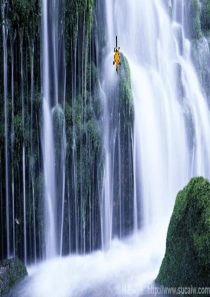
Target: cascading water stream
[
  {"x": 54, "y": 138},
  {"x": 106, "y": 207},
  {"x": 23, "y": 152},
  {"x": 162, "y": 157},
  {"x": 48, "y": 144},
  {"x": 74, "y": 159}
]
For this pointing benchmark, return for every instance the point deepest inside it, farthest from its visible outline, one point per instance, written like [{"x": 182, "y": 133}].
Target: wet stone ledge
[{"x": 11, "y": 272}]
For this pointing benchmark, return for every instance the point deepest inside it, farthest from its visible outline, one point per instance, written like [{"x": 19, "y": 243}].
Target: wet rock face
[
  {"x": 11, "y": 272},
  {"x": 192, "y": 20},
  {"x": 187, "y": 257}
]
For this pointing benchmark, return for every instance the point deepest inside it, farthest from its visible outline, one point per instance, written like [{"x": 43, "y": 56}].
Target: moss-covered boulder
[
  {"x": 11, "y": 272},
  {"x": 187, "y": 258}
]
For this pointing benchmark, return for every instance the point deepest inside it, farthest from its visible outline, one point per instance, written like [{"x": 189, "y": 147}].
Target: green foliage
[
  {"x": 188, "y": 238},
  {"x": 75, "y": 12},
  {"x": 24, "y": 14}
]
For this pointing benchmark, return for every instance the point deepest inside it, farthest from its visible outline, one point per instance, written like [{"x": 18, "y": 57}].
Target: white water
[
  {"x": 23, "y": 153},
  {"x": 106, "y": 206},
  {"x": 48, "y": 145},
  {"x": 126, "y": 269},
  {"x": 164, "y": 162}
]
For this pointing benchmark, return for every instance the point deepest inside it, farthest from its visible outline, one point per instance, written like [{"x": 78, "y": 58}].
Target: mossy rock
[
  {"x": 187, "y": 259},
  {"x": 24, "y": 14},
  {"x": 193, "y": 23},
  {"x": 125, "y": 93},
  {"x": 58, "y": 127},
  {"x": 205, "y": 15},
  {"x": 11, "y": 272}
]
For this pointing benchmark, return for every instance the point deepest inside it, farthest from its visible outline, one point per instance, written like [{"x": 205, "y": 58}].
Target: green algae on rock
[
  {"x": 205, "y": 16},
  {"x": 11, "y": 272},
  {"x": 121, "y": 119},
  {"x": 193, "y": 23},
  {"x": 187, "y": 259}
]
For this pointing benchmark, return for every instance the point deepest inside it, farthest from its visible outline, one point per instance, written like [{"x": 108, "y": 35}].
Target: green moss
[
  {"x": 18, "y": 138},
  {"x": 94, "y": 105},
  {"x": 24, "y": 14},
  {"x": 11, "y": 272},
  {"x": 73, "y": 12},
  {"x": 69, "y": 130},
  {"x": 58, "y": 127},
  {"x": 194, "y": 19},
  {"x": 188, "y": 238},
  {"x": 121, "y": 117},
  {"x": 205, "y": 15},
  {"x": 125, "y": 92},
  {"x": 95, "y": 135}
]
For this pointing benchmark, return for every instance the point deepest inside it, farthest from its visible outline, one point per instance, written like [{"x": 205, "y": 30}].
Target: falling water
[
  {"x": 32, "y": 155},
  {"x": 48, "y": 144},
  {"x": 106, "y": 207},
  {"x": 23, "y": 152},
  {"x": 162, "y": 156},
  {"x": 74, "y": 156}
]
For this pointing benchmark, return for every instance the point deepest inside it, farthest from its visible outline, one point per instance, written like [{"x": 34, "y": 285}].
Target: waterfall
[
  {"x": 48, "y": 144},
  {"x": 74, "y": 156},
  {"x": 106, "y": 207},
  {"x": 23, "y": 152},
  {"x": 163, "y": 159},
  {"x": 54, "y": 138},
  {"x": 166, "y": 147}
]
